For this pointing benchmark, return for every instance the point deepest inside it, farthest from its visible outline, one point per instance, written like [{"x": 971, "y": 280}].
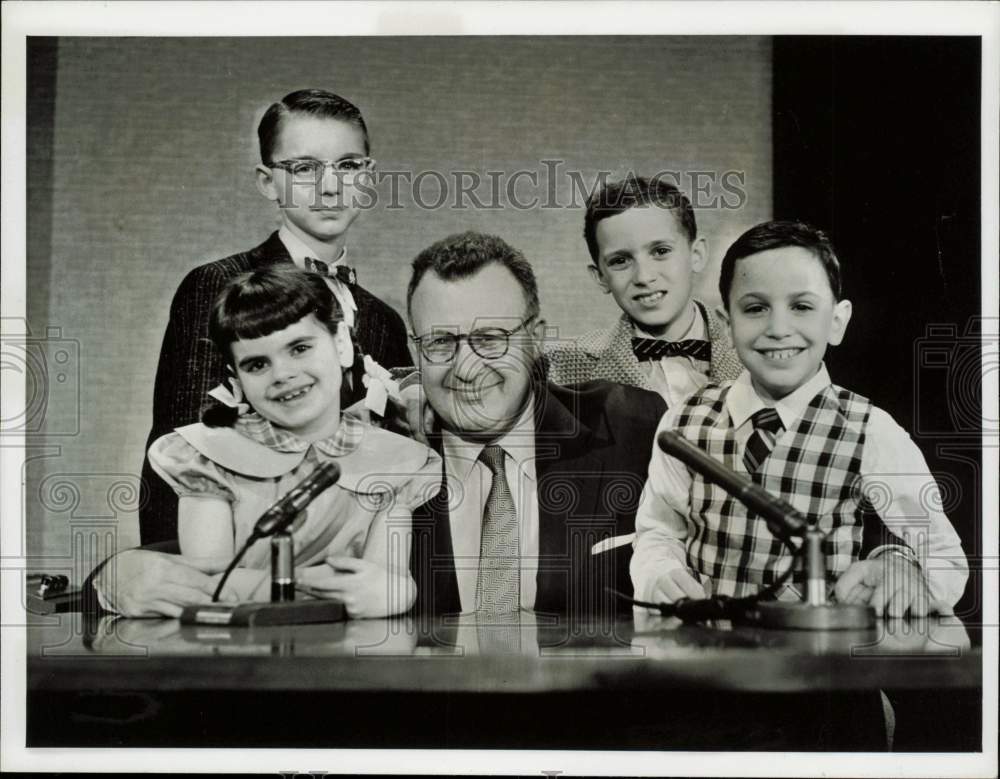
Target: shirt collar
[
  {"x": 743, "y": 402},
  {"x": 345, "y": 440},
  {"x": 695, "y": 332},
  {"x": 298, "y": 250},
  {"x": 460, "y": 456}
]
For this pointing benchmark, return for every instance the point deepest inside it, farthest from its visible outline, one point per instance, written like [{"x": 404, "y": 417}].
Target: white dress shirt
[
  {"x": 469, "y": 482},
  {"x": 674, "y": 378},
  {"x": 889, "y": 458},
  {"x": 299, "y": 251}
]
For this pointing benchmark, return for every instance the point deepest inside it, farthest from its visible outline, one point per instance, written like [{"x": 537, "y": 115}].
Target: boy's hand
[
  {"x": 366, "y": 589},
  {"x": 891, "y": 584},
  {"x": 675, "y": 584}
]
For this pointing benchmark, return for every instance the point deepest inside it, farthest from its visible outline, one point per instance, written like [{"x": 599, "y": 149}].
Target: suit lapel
[
  {"x": 569, "y": 479},
  {"x": 432, "y": 557},
  {"x": 618, "y": 362},
  {"x": 271, "y": 252}
]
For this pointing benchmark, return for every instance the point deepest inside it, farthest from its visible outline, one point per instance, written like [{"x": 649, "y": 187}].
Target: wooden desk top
[{"x": 70, "y": 653}]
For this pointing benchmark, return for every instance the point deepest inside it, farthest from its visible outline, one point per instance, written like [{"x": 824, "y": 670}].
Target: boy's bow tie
[
  {"x": 647, "y": 349},
  {"x": 342, "y": 273}
]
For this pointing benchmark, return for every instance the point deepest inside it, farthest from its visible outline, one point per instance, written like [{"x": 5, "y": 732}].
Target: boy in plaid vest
[
  {"x": 645, "y": 247},
  {"x": 821, "y": 447}
]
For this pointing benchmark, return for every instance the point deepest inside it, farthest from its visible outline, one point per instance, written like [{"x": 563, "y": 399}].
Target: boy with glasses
[{"x": 315, "y": 166}]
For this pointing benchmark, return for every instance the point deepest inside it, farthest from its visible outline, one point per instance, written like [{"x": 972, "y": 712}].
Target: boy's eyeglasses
[
  {"x": 490, "y": 343},
  {"x": 312, "y": 171}
]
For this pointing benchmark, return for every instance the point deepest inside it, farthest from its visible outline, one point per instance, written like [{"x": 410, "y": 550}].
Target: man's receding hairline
[{"x": 467, "y": 277}]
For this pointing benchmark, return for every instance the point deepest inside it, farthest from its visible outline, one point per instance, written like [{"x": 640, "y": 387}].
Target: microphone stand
[
  {"x": 283, "y": 609},
  {"x": 814, "y": 611}
]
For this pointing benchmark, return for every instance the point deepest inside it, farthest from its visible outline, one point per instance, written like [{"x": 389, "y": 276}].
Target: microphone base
[
  {"x": 785, "y": 615},
  {"x": 290, "y": 613}
]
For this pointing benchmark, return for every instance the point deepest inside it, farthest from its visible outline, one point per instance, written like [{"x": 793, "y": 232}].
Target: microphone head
[
  {"x": 671, "y": 442},
  {"x": 326, "y": 475}
]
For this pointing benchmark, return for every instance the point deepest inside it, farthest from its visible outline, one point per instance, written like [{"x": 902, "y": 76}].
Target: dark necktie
[
  {"x": 342, "y": 273},
  {"x": 651, "y": 349},
  {"x": 498, "y": 582},
  {"x": 766, "y": 428}
]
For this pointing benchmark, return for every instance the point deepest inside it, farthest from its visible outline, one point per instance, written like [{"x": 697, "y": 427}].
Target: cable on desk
[{"x": 718, "y": 607}]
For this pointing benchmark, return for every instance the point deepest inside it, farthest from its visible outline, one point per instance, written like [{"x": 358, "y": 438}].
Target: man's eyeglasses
[
  {"x": 312, "y": 171},
  {"x": 490, "y": 343}
]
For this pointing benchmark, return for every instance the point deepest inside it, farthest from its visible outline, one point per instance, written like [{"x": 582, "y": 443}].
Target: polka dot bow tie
[{"x": 342, "y": 273}]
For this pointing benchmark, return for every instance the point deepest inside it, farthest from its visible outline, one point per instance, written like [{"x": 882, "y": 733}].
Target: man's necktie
[
  {"x": 766, "y": 428},
  {"x": 498, "y": 583},
  {"x": 342, "y": 273},
  {"x": 498, "y": 633},
  {"x": 647, "y": 349}
]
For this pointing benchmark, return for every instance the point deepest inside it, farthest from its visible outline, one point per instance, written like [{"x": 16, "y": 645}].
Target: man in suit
[
  {"x": 301, "y": 138},
  {"x": 541, "y": 481}
]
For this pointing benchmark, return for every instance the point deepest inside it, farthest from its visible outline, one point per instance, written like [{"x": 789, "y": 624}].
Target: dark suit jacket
[
  {"x": 190, "y": 366},
  {"x": 592, "y": 446}
]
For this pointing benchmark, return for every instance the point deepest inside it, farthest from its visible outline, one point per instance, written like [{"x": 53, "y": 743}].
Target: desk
[{"x": 648, "y": 682}]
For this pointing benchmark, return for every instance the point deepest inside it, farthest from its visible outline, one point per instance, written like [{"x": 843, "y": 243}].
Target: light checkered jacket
[
  {"x": 607, "y": 354},
  {"x": 815, "y": 466}
]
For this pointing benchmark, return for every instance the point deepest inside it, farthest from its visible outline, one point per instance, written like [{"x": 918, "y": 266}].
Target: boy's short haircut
[
  {"x": 777, "y": 235},
  {"x": 310, "y": 102},
  {"x": 465, "y": 254},
  {"x": 631, "y": 192}
]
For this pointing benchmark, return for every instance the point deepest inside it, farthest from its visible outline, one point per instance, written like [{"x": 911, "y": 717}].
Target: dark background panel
[{"x": 877, "y": 140}]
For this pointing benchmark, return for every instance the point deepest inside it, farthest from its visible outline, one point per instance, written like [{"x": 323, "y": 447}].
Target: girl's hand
[{"x": 366, "y": 589}]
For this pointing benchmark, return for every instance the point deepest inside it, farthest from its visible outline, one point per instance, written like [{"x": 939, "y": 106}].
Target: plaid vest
[{"x": 815, "y": 466}]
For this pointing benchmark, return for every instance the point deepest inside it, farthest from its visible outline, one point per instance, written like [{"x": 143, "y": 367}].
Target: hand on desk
[
  {"x": 892, "y": 585},
  {"x": 366, "y": 589},
  {"x": 675, "y": 584},
  {"x": 143, "y": 583}
]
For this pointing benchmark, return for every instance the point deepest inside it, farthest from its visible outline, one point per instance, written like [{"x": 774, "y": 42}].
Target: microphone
[
  {"x": 784, "y": 521},
  {"x": 283, "y": 513},
  {"x": 782, "y": 518}
]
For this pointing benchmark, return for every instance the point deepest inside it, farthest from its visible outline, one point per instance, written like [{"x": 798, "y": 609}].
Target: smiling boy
[
  {"x": 314, "y": 153},
  {"x": 785, "y": 425},
  {"x": 646, "y": 252}
]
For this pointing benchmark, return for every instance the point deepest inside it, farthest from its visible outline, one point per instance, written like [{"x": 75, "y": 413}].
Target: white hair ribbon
[
  {"x": 232, "y": 398},
  {"x": 381, "y": 387}
]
